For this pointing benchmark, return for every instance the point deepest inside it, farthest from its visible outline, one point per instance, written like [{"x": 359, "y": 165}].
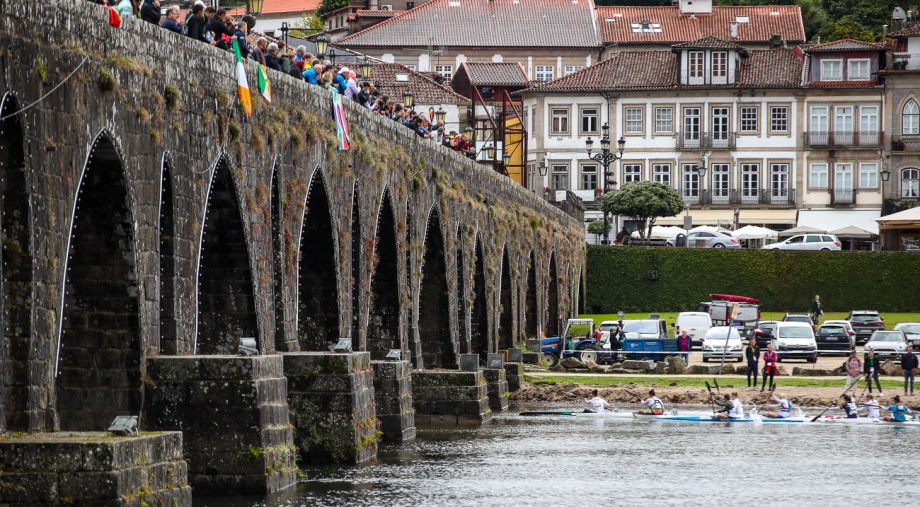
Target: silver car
[
  {"x": 722, "y": 340},
  {"x": 887, "y": 344},
  {"x": 713, "y": 240},
  {"x": 911, "y": 331},
  {"x": 807, "y": 242}
]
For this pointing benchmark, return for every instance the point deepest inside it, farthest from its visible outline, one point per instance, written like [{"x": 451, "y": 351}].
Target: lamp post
[
  {"x": 440, "y": 114},
  {"x": 254, "y": 7},
  {"x": 366, "y": 68},
  {"x": 886, "y": 175},
  {"x": 284, "y": 32},
  {"x": 408, "y": 99},
  {"x": 605, "y": 157},
  {"x": 700, "y": 174},
  {"x": 322, "y": 43},
  {"x": 332, "y": 56}
]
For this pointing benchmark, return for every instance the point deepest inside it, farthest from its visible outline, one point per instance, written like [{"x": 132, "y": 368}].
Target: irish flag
[
  {"x": 241, "y": 79},
  {"x": 264, "y": 86}
]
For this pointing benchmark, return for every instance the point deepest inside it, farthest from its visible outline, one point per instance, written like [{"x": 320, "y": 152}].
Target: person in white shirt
[
  {"x": 871, "y": 407},
  {"x": 735, "y": 409},
  {"x": 655, "y": 406},
  {"x": 597, "y": 403}
]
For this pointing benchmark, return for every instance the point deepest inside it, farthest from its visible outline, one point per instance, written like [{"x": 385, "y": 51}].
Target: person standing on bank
[
  {"x": 752, "y": 354},
  {"x": 816, "y": 310},
  {"x": 854, "y": 371},
  {"x": 684, "y": 345},
  {"x": 769, "y": 367},
  {"x": 870, "y": 368},
  {"x": 909, "y": 364}
]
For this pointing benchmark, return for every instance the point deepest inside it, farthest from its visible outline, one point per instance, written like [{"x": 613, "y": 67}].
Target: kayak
[
  {"x": 733, "y": 298},
  {"x": 864, "y": 420},
  {"x": 615, "y": 414}
]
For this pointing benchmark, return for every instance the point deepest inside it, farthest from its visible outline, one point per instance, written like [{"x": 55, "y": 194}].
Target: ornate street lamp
[
  {"x": 490, "y": 151},
  {"x": 366, "y": 68},
  {"x": 332, "y": 56},
  {"x": 284, "y": 32},
  {"x": 470, "y": 134},
  {"x": 543, "y": 167},
  {"x": 506, "y": 160},
  {"x": 605, "y": 157},
  {"x": 440, "y": 114},
  {"x": 408, "y": 99},
  {"x": 322, "y": 43},
  {"x": 254, "y": 7}
]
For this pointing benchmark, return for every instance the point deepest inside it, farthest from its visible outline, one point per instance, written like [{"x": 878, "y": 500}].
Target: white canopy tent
[
  {"x": 710, "y": 228},
  {"x": 754, "y": 232},
  {"x": 829, "y": 220},
  {"x": 908, "y": 218},
  {"x": 662, "y": 232}
]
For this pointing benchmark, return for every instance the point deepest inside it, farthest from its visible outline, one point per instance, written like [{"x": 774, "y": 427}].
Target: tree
[
  {"x": 329, "y": 6},
  {"x": 307, "y": 26},
  {"x": 596, "y": 227},
  {"x": 644, "y": 201},
  {"x": 847, "y": 27}
]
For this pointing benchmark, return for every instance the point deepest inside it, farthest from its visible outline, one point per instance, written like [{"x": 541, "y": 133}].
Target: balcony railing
[
  {"x": 842, "y": 197},
  {"x": 780, "y": 196},
  {"x": 706, "y": 140},
  {"x": 906, "y": 61},
  {"x": 820, "y": 139}
]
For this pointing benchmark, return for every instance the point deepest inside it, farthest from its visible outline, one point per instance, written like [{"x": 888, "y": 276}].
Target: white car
[
  {"x": 890, "y": 344},
  {"x": 795, "y": 340},
  {"x": 722, "y": 338},
  {"x": 806, "y": 242},
  {"x": 696, "y": 324}
]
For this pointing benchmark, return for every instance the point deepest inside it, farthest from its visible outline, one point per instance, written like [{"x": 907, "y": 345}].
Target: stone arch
[
  {"x": 356, "y": 250},
  {"x": 551, "y": 326},
  {"x": 434, "y": 305},
  {"x": 383, "y": 321},
  {"x": 531, "y": 312},
  {"x": 318, "y": 301},
  {"x": 226, "y": 298},
  {"x": 16, "y": 270},
  {"x": 99, "y": 349},
  {"x": 505, "y": 303},
  {"x": 169, "y": 325},
  {"x": 277, "y": 232},
  {"x": 479, "y": 314},
  {"x": 464, "y": 345}
]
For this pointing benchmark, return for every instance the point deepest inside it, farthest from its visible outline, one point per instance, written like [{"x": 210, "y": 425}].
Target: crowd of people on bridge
[{"x": 214, "y": 26}]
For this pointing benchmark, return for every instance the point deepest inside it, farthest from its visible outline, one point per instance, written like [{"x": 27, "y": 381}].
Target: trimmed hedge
[{"x": 636, "y": 279}]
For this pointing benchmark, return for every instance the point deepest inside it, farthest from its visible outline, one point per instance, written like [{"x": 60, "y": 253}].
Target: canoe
[
  {"x": 615, "y": 414},
  {"x": 865, "y": 420},
  {"x": 733, "y": 298}
]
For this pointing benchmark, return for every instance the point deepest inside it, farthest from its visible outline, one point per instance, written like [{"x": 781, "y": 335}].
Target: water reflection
[{"x": 573, "y": 461}]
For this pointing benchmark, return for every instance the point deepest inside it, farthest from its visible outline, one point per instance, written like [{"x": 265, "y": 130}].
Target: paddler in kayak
[
  {"x": 784, "y": 405},
  {"x": 899, "y": 411},
  {"x": 732, "y": 407},
  {"x": 870, "y": 406},
  {"x": 848, "y": 406},
  {"x": 597, "y": 403},
  {"x": 655, "y": 406}
]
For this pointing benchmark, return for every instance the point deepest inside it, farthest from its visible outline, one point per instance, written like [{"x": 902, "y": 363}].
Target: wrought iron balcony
[
  {"x": 906, "y": 61},
  {"x": 778, "y": 196},
  {"x": 842, "y": 197},
  {"x": 845, "y": 139},
  {"x": 706, "y": 140}
]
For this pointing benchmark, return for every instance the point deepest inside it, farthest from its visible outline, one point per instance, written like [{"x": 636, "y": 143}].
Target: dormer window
[
  {"x": 831, "y": 70},
  {"x": 696, "y": 67},
  {"x": 719, "y": 67},
  {"x": 646, "y": 27},
  {"x": 858, "y": 69},
  {"x": 709, "y": 61}
]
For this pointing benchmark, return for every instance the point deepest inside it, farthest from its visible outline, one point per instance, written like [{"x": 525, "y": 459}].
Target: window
[
  {"x": 632, "y": 172},
  {"x": 645, "y": 27},
  {"x": 818, "y": 176},
  {"x": 830, "y": 70},
  {"x": 661, "y": 173},
  {"x": 868, "y": 119},
  {"x": 664, "y": 119},
  {"x": 544, "y": 72},
  {"x": 690, "y": 183},
  {"x": 779, "y": 119},
  {"x": 750, "y": 182},
  {"x": 819, "y": 119},
  {"x": 843, "y": 177},
  {"x": 843, "y": 125},
  {"x": 720, "y": 183},
  {"x": 633, "y": 120},
  {"x": 749, "y": 119},
  {"x": 560, "y": 177},
  {"x": 589, "y": 177},
  {"x": 691, "y": 127},
  {"x": 696, "y": 67},
  {"x": 910, "y": 183},
  {"x": 445, "y": 71},
  {"x": 560, "y": 122},
  {"x": 589, "y": 116},
  {"x": 719, "y": 67},
  {"x": 868, "y": 175},
  {"x": 571, "y": 69},
  {"x": 720, "y": 127},
  {"x": 524, "y": 121},
  {"x": 410, "y": 66},
  {"x": 779, "y": 182},
  {"x": 858, "y": 69},
  {"x": 910, "y": 118}
]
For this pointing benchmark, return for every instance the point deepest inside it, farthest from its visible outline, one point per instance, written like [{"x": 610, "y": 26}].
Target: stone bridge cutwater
[{"x": 146, "y": 217}]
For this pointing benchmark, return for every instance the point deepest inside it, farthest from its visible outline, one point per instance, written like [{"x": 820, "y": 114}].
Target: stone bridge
[{"x": 145, "y": 215}]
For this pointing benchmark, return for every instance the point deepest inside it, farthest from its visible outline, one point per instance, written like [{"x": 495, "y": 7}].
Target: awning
[
  {"x": 851, "y": 232},
  {"x": 802, "y": 229},
  {"x": 832, "y": 219},
  {"x": 701, "y": 217},
  {"x": 907, "y": 219},
  {"x": 767, "y": 216}
]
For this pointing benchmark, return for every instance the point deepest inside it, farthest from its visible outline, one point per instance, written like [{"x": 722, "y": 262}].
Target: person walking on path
[
  {"x": 816, "y": 310},
  {"x": 870, "y": 368},
  {"x": 854, "y": 371},
  {"x": 752, "y": 354},
  {"x": 769, "y": 368},
  {"x": 909, "y": 365},
  {"x": 597, "y": 403},
  {"x": 683, "y": 345}
]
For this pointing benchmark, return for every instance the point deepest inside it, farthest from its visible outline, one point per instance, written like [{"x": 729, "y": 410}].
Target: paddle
[
  {"x": 713, "y": 405},
  {"x": 545, "y": 413},
  {"x": 633, "y": 395},
  {"x": 716, "y": 382},
  {"x": 847, "y": 388}
]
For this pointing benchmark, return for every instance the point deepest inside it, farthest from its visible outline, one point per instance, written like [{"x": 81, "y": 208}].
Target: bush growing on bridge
[{"x": 676, "y": 279}]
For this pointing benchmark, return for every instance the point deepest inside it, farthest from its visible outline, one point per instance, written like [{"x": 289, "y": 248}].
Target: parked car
[
  {"x": 722, "y": 340},
  {"x": 696, "y": 324},
  {"x": 911, "y": 331},
  {"x": 887, "y": 344},
  {"x": 765, "y": 333},
  {"x": 834, "y": 339},
  {"x": 806, "y": 242},
  {"x": 795, "y": 340},
  {"x": 844, "y": 323},
  {"x": 799, "y": 317},
  {"x": 865, "y": 322},
  {"x": 713, "y": 240},
  {"x": 646, "y": 328}
]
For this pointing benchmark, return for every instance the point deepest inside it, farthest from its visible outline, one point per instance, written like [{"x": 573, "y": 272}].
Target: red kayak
[{"x": 735, "y": 299}]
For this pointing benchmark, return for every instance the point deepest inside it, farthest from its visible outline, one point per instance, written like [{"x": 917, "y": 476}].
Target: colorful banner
[
  {"x": 242, "y": 84},
  {"x": 341, "y": 124},
  {"x": 264, "y": 86}
]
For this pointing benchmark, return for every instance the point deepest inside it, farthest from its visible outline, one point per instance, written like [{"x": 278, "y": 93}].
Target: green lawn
[{"x": 725, "y": 381}]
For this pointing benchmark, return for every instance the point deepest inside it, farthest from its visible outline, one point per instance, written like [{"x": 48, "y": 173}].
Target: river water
[{"x": 561, "y": 461}]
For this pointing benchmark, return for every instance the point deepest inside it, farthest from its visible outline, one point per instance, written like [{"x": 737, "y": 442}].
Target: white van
[{"x": 696, "y": 324}]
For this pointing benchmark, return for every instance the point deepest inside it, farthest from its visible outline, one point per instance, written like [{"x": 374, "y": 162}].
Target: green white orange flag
[
  {"x": 264, "y": 86},
  {"x": 245, "y": 100}
]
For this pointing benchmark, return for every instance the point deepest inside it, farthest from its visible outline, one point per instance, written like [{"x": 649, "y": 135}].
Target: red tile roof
[
  {"x": 657, "y": 70},
  {"x": 495, "y": 74},
  {"x": 913, "y": 31},
  {"x": 845, "y": 45},
  {"x": 785, "y": 20},
  {"x": 424, "y": 89},
  {"x": 709, "y": 43},
  {"x": 371, "y": 13},
  {"x": 485, "y": 23},
  {"x": 271, "y": 7}
]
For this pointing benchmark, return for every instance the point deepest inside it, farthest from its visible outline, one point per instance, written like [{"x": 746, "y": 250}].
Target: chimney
[
  {"x": 776, "y": 40},
  {"x": 884, "y": 33},
  {"x": 733, "y": 29},
  {"x": 897, "y": 19}
]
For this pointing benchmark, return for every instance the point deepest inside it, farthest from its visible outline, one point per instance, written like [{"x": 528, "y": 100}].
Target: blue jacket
[
  {"x": 172, "y": 26},
  {"x": 241, "y": 40},
  {"x": 340, "y": 83},
  {"x": 310, "y": 75}
]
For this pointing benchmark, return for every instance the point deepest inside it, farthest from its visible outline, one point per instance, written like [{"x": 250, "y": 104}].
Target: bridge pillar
[
  {"x": 233, "y": 413},
  {"x": 450, "y": 398},
  {"x": 393, "y": 397}
]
